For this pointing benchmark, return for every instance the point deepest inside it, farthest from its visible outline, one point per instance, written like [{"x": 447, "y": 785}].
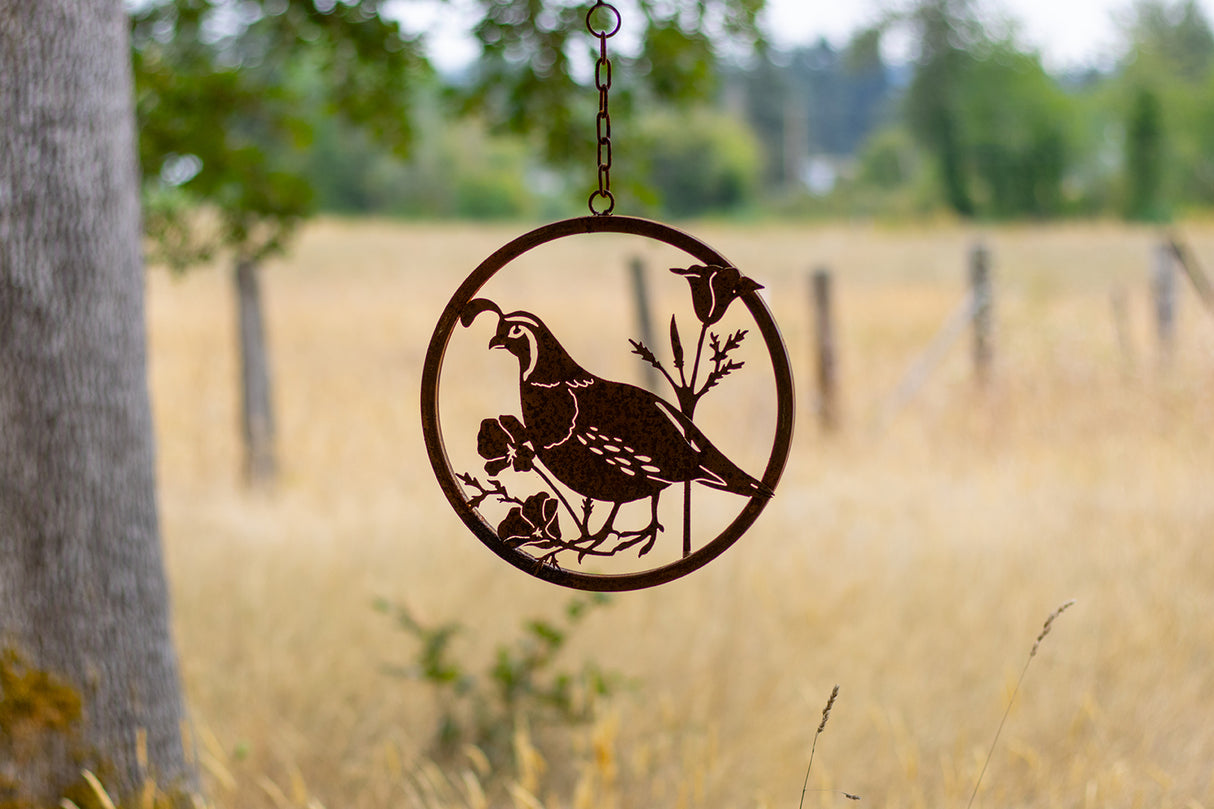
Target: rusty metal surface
[
  {"x": 594, "y": 444},
  {"x": 602, "y": 201}
]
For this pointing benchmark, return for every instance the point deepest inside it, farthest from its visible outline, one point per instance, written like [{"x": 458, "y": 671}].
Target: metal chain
[{"x": 602, "y": 80}]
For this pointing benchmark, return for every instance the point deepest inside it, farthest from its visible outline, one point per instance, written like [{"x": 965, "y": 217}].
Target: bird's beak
[
  {"x": 748, "y": 285},
  {"x": 497, "y": 342},
  {"x": 688, "y": 271}
]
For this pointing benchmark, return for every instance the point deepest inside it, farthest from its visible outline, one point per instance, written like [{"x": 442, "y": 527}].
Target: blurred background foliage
[{"x": 262, "y": 112}]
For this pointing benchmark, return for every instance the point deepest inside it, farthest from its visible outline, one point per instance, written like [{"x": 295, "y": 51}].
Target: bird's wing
[{"x": 624, "y": 421}]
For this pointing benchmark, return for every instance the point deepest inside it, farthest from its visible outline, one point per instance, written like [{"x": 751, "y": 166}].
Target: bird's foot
[
  {"x": 588, "y": 544},
  {"x": 647, "y": 535}
]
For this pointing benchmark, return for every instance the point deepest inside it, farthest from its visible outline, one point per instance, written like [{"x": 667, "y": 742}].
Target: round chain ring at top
[
  {"x": 534, "y": 523},
  {"x": 608, "y": 30}
]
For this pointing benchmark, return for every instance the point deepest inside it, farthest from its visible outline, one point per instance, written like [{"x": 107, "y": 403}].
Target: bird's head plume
[
  {"x": 474, "y": 307},
  {"x": 526, "y": 337}
]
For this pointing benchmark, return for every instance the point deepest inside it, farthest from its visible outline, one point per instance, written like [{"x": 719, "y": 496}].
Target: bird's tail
[
  {"x": 718, "y": 472},
  {"x": 748, "y": 487}
]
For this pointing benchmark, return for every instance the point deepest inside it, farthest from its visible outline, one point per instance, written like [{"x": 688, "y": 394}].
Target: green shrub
[{"x": 526, "y": 680}]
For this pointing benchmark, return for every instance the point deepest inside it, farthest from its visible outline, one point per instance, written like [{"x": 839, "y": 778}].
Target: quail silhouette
[{"x": 609, "y": 441}]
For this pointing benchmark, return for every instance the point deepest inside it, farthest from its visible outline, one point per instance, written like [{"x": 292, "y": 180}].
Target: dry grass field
[{"x": 912, "y": 565}]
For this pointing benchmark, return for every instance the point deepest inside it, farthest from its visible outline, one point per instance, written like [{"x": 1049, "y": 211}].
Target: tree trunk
[
  {"x": 82, "y": 585},
  {"x": 256, "y": 410}
]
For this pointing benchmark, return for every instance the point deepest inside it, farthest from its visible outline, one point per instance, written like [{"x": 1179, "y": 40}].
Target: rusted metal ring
[
  {"x": 605, "y": 33},
  {"x": 601, "y": 194},
  {"x": 446, "y": 474}
]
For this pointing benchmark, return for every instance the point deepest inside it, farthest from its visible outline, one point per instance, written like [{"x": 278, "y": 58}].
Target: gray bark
[
  {"x": 82, "y": 584},
  {"x": 257, "y": 413}
]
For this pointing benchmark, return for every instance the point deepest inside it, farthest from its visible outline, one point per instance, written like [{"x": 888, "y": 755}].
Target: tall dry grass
[{"x": 912, "y": 566}]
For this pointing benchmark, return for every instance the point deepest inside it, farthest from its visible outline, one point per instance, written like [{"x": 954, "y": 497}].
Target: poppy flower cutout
[
  {"x": 713, "y": 288},
  {"x": 502, "y": 442},
  {"x": 535, "y": 522}
]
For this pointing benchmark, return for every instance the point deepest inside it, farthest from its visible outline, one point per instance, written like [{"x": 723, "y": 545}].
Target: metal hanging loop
[
  {"x": 606, "y": 32},
  {"x": 602, "y": 202}
]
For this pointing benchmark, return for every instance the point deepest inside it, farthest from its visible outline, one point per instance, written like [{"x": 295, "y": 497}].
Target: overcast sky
[{"x": 1068, "y": 33}]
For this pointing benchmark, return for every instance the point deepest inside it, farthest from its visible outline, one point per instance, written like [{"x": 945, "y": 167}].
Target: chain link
[{"x": 602, "y": 81}]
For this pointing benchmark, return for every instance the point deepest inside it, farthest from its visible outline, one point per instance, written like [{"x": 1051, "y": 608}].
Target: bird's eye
[{"x": 516, "y": 331}]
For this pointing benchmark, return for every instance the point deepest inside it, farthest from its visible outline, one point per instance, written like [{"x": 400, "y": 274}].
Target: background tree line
[{"x": 974, "y": 123}]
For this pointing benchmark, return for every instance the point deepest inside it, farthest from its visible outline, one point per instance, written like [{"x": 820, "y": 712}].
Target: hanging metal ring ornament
[{"x": 596, "y": 456}]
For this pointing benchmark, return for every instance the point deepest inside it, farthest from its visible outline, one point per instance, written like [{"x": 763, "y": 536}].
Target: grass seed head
[
  {"x": 830, "y": 703},
  {"x": 1049, "y": 622}
]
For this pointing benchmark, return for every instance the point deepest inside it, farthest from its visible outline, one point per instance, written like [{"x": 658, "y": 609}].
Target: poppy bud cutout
[{"x": 713, "y": 288}]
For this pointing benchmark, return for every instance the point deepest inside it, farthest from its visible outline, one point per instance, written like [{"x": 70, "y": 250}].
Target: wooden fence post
[
  {"x": 640, "y": 294},
  {"x": 256, "y": 396},
  {"x": 1121, "y": 327},
  {"x": 1201, "y": 281},
  {"x": 928, "y": 359},
  {"x": 980, "y": 287},
  {"x": 824, "y": 330},
  {"x": 1163, "y": 290}
]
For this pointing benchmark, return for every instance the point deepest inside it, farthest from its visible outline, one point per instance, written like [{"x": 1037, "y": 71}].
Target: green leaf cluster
[
  {"x": 984, "y": 130},
  {"x": 228, "y": 95},
  {"x": 236, "y": 98},
  {"x": 689, "y": 162},
  {"x": 524, "y": 680}
]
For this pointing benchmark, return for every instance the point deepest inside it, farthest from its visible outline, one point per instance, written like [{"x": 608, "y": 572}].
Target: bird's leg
[
  {"x": 582, "y": 524},
  {"x": 605, "y": 531},
  {"x": 599, "y": 536},
  {"x": 648, "y": 534}
]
